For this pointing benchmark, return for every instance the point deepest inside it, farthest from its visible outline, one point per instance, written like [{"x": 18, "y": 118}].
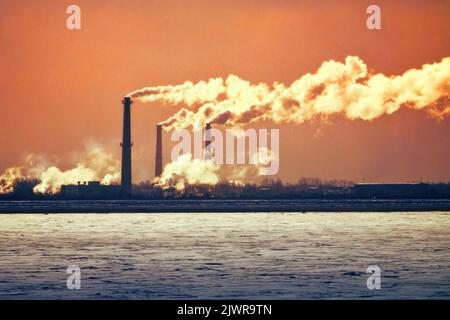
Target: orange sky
[{"x": 60, "y": 88}]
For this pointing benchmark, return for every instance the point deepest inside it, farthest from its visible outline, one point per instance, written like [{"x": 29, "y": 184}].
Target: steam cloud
[
  {"x": 335, "y": 88},
  {"x": 348, "y": 89},
  {"x": 187, "y": 170},
  {"x": 95, "y": 164}
]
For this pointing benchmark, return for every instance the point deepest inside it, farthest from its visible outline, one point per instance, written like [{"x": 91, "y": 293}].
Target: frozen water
[{"x": 225, "y": 255}]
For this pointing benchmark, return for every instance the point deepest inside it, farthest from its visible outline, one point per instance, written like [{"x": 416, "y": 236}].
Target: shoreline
[{"x": 191, "y": 206}]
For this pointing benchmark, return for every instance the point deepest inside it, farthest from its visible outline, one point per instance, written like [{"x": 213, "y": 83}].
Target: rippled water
[{"x": 225, "y": 255}]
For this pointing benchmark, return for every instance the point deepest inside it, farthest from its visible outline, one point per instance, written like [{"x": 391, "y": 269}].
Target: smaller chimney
[
  {"x": 208, "y": 141},
  {"x": 158, "y": 153}
]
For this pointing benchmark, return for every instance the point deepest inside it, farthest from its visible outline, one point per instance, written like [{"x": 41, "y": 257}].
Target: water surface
[{"x": 225, "y": 255}]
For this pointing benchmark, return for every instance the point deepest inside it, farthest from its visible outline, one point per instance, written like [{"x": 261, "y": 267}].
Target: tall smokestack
[
  {"x": 126, "y": 147},
  {"x": 158, "y": 153},
  {"x": 208, "y": 141}
]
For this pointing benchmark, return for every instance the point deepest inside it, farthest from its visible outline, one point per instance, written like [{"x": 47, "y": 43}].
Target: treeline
[{"x": 304, "y": 188}]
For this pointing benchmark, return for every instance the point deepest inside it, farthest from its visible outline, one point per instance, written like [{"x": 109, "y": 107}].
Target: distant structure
[
  {"x": 126, "y": 148},
  {"x": 159, "y": 148},
  {"x": 90, "y": 190},
  {"x": 393, "y": 190},
  {"x": 158, "y": 151},
  {"x": 208, "y": 141}
]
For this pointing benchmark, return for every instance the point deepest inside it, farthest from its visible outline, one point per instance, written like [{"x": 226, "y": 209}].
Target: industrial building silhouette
[{"x": 95, "y": 190}]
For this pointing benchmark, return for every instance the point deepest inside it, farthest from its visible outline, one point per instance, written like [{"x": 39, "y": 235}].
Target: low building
[
  {"x": 90, "y": 190},
  {"x": 392, "y": 190}
]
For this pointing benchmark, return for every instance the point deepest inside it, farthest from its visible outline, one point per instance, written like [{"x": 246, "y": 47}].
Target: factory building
[
  {"x": 94, "y": 189},
  {"x": 400, "y": 190},
  {"x": 90, "y": 190}
]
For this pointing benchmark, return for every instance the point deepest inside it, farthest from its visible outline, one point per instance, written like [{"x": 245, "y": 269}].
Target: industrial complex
[{"x": 96, "y": 190}]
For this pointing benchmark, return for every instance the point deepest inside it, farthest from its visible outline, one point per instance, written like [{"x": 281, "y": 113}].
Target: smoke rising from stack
[
  {"x": 9, "y": 178},
  {"x": 187, "y": 170},
  {"x": 348, "y": 89},
  {"x": 336, "y": 88},
  {"x": 94, "y": 164}
]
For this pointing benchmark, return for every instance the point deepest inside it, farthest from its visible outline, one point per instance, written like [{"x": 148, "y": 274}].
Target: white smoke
[
  {"x": 94, "y": 164},
  {"x": 335, "y": 88}
]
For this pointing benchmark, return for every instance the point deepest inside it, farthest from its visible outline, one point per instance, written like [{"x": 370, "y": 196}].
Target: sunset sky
[{"x": 61, "y": 88}]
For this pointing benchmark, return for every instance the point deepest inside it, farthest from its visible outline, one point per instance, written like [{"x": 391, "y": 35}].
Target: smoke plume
[
  {"x": 187, "y": 170},
  {"x": 95, "y": 164},
  {"x": 345, "y": 88}
]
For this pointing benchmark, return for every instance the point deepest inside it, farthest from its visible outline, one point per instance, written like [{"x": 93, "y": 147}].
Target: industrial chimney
[
  {"x": 208, "y": 141},
  {"x": 158, "y": 153},
  {"x": 126, "y": 148}
]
